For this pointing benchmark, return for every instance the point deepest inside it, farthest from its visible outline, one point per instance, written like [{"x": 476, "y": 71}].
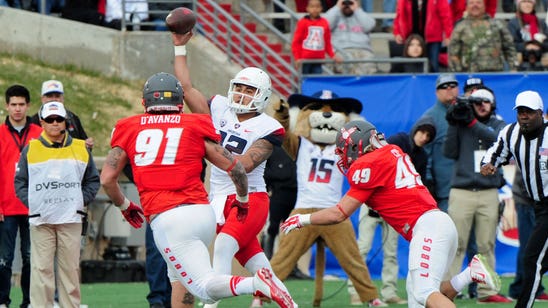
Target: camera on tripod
[
  {"x": 462, "y": 106},
  {"x": 461, "y": 111}
]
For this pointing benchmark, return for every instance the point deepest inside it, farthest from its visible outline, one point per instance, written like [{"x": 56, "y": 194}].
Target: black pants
[
  {"x": 282, "y": 203},
  {"x": 535, "y": 259}
]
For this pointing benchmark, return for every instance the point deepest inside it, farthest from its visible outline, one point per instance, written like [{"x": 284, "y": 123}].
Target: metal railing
[
  {"x": 376, "y": 15},
  {"x": 137, "y": 24},
  {"x": 242, "y": 46},
  {"x": 247, "y": 12},
  {"x": 233, "y": 38},
  {"x": 345, "y": 67}
]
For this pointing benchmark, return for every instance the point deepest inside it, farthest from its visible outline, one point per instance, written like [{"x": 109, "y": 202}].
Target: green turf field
[{"x": 133, "y": 295}]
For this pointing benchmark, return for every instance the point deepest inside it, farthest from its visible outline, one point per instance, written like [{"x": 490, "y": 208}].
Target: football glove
[
  {"x": 295, "y": 222},
  {"x": 133, "y": 214},
  {"x": 243, "y": 207}
]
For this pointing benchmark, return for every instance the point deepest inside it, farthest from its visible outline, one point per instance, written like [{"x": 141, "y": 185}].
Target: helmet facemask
[
  {"x": 354, "y": 140},
  {"x": 246, "y": 79},
  {"x": 348, "y": 153}
]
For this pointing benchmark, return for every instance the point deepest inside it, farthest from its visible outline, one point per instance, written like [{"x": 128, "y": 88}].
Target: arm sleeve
[
  {"x": 332, "y": 15},
  {"x": 499, "y": 153},
  {"x": 491, "y": 7},
  {"x": 398, "y": 19},
  {"x": 78, "y": 130},
  {"x": 296, "y": 44},
  {"x": 485, "y": 133},
  {"x": 2, "y": 189},
  {"x": 21, "y": 181},
  {"x": 444, "y": 11},
  {"x": 455, "y": 49},
  {"x": 83, "y": 135},
  {"x": 366, "y": 21},
  {"x": 365, "y": 187},
  {"x": 451, "y": 143},
  {"x": 513, "y": 28},
  {"x": 328, "y": 45},
  {"x": 508, "y": 47},
  {"x": 90, "y": 182},
  {"x": 543, "y": 28}
]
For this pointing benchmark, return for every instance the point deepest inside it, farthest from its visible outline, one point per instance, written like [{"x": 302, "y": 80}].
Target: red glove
[
  {"x": 243, "y": 206},
  {"x": 133, "y": 214}
]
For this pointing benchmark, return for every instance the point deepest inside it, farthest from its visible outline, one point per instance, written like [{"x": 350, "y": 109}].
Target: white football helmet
[{"x": 252, "y": 77}]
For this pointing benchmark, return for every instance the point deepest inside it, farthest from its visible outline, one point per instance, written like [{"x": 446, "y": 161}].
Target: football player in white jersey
[{"x": 250, "y": 135}]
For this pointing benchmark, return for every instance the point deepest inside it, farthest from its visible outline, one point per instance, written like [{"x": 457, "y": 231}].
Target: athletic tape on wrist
[
  {"x": 243, "y": 199},
  {"x": 180, "y": 50},
  {"x": 124, "y": 205},
  {"x": 305, "y": 219}
]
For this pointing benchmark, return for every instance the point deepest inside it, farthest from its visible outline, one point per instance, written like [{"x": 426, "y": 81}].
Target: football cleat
[
  {"x": 497, "y": 298},
  {"x": 482, "y": 273},
  {"x": 266, "y": 286},
  {"x": 377, "y": 303}
]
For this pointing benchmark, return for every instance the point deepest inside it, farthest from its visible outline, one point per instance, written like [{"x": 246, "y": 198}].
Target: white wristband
[
  {"x": 305, "y": 219},
  {"x": 124, "y": 205},
  {"x": 179, "y": 50},
  {"x": 243, "y": 199}
]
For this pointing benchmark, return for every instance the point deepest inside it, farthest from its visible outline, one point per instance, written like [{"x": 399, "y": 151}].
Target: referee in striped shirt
[{"x": 527, "y": 142}]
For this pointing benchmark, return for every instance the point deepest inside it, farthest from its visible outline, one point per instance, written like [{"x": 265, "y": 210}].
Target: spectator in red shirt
[
  {"x": 312, "y": 40},
  {"x": 15, "y": 134},
  {"x": 432, "y": 20}
]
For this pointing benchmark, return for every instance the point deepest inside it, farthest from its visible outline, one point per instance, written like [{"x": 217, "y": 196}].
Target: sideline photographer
[
  {"x": 473, "y": 127},
  {"x": 463, "y": 113}
]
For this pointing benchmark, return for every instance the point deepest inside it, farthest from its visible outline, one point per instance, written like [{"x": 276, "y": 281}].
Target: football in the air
[{"x": 181, "y": 20}]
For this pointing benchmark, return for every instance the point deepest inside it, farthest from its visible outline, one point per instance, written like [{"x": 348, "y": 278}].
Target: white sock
[
  {"x": 220, "y": 286},
  {"x": 245, "y": 286},
  {"x": 461, "y": 280},
  {"x": 225, "y": 249},
  {"x": 259, "y": 261}
]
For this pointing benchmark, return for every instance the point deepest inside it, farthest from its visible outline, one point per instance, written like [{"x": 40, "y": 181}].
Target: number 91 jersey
[
  {"x": 166, "y": 152},
  {"x": 388, "y": 183}
]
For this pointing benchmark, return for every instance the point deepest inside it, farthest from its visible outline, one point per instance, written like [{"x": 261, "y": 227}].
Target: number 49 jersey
[
  {"x": 166, "y": 152},
  {"x": 388, "y": 183}
]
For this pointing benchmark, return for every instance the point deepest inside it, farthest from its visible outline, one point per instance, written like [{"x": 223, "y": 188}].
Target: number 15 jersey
[{"x": 388, "y": 183}]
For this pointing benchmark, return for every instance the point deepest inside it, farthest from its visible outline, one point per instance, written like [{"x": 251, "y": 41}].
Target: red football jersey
[
  {"x": 166, "y": 152},
  {"x": 388, "y": 183}
]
